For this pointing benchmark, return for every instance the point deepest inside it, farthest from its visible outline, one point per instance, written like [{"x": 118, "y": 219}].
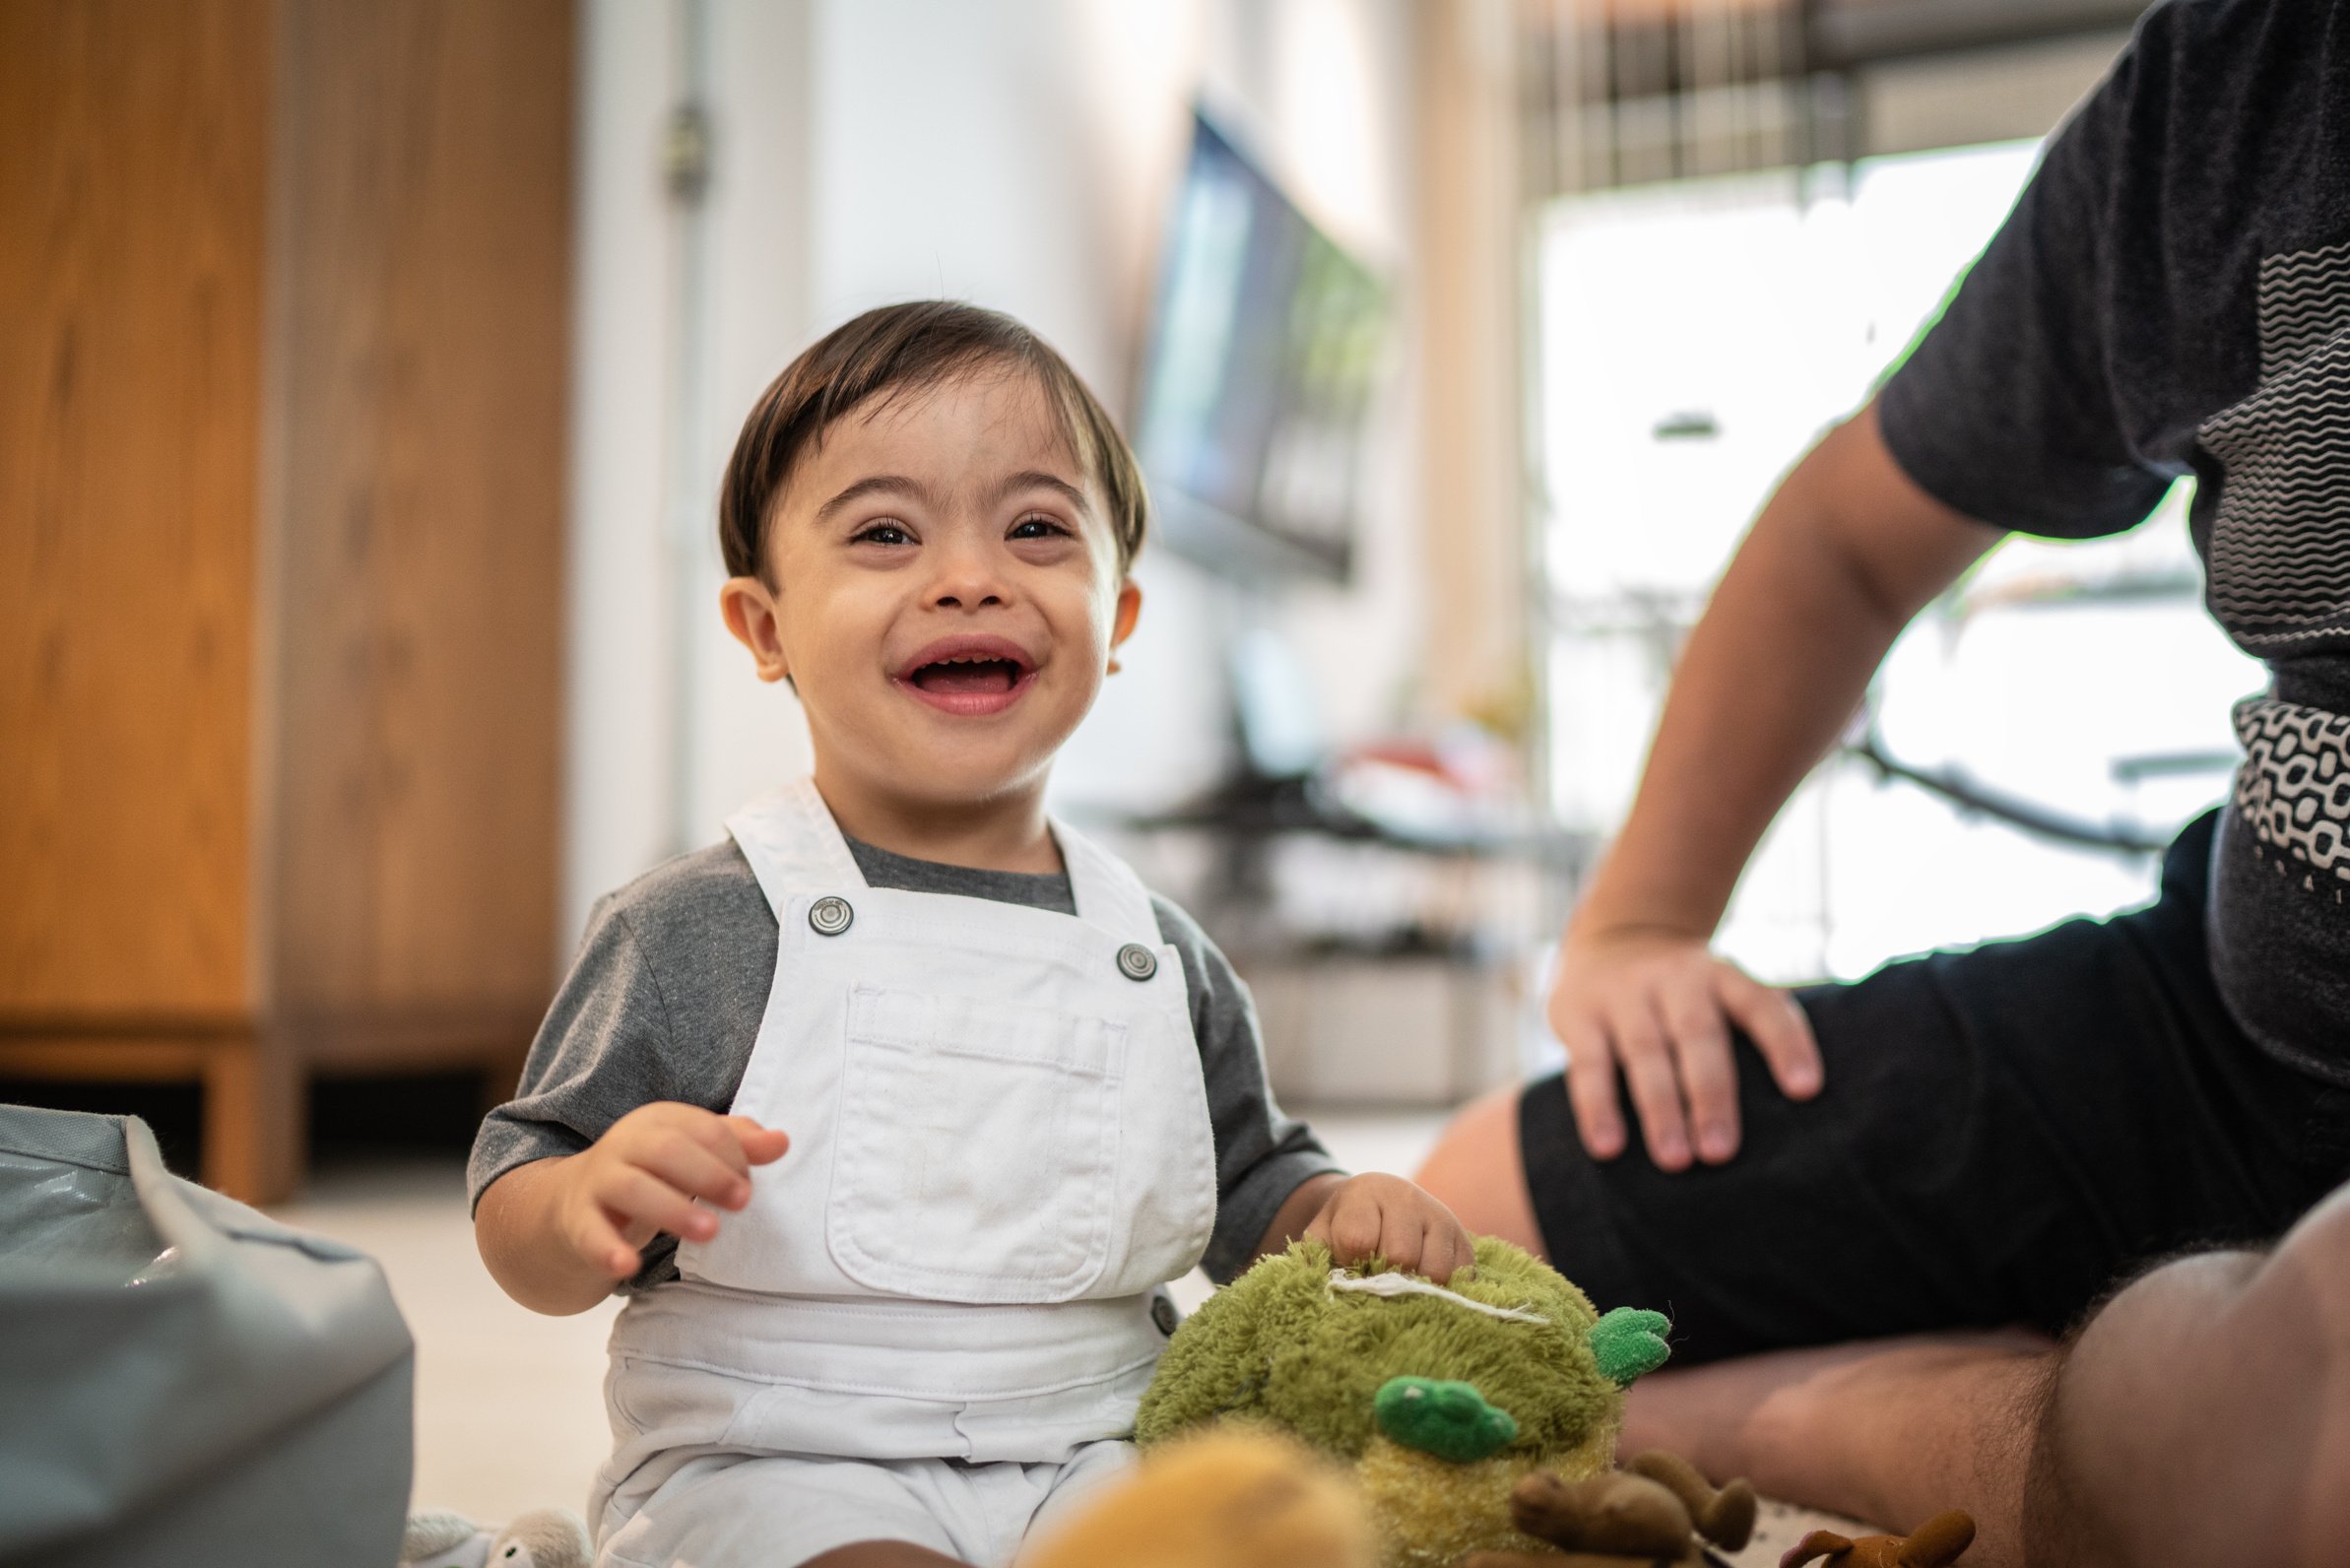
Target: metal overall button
[
  {"x": 829, "y": 917},
  {"x": 1136, "y": 962}
]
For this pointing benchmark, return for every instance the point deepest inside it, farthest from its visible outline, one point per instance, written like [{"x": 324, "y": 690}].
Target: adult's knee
[{"x": 2193, "y": 1419}]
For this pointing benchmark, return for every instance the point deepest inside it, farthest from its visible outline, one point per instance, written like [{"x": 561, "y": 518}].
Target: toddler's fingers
[
  {"x": 1401, "y": 1231},
  {"x": 1349, "y": 1225},
  {"x": 1437, "y": 1257},
  {"x": 639, "y": 1195},
  {"x": 760, "y": 1144},
  {"x": 1446, "y": 1250},
  {"x": 716, "y": 1134},
  {"x": 691, "y": 1168},
  {"x": 597, "y": 1240}
]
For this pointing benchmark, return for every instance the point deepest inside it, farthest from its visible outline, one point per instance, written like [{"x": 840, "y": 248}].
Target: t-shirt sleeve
[
  {"x": 602, "y": 1052},
  {"x": 2006, "y": 407},
  {"x": 1261, "y": 1155}
]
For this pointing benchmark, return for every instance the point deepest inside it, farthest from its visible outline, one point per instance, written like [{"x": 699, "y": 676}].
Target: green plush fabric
[
  {"x": 1279, "y": 1346},
  {"x": 1630, "y": 1344},
  {"x": 1450, "y": 1420}
]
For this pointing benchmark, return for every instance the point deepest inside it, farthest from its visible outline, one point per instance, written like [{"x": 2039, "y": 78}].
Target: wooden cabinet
[{"x": 284, "y": 315}]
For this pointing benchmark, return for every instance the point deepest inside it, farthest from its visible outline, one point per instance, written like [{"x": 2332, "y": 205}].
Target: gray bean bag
[{"x": 183, "y": 1380}]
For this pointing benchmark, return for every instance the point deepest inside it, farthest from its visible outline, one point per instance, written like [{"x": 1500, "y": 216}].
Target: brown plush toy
[
  {"x": 1934, "y": 1544},
  {"x": 1657, "y": 1513}
]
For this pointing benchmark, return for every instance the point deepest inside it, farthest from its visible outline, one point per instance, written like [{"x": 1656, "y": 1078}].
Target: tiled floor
[{"x": 509, "y": 1404}]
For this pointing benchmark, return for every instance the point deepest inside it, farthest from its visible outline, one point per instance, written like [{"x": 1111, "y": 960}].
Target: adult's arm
[
  {"x": 1846, "y": 552},
  {"x": 2202, "y": 1416}
]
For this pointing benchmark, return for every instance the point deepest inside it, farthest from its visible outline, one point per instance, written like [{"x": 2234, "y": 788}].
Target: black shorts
[{"x": 2005, "y": 1134}]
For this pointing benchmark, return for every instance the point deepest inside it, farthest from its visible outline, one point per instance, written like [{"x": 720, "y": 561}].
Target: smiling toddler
[{"x": 894, "y": 1113}]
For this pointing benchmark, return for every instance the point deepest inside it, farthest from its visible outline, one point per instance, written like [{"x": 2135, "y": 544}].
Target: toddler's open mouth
[
  {"x": 968, "y": 676},
  {"x": 959, "y": 676}
]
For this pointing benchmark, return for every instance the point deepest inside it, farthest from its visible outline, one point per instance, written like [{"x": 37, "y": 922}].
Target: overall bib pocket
[{"x": 977, "y": 1153}]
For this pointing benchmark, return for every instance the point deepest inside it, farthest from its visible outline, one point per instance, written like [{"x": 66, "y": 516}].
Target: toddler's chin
[{"x": 954, "y": 782}]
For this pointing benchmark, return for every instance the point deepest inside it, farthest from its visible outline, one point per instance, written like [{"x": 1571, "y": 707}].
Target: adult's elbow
[{"x": 1894, "y": 544}]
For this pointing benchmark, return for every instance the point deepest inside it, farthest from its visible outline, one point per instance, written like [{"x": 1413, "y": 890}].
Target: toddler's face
[{"x": 946, "y": 593}]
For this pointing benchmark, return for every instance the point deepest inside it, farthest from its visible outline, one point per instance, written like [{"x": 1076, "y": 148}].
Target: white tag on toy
[{"x": 1399, "y": 1285}]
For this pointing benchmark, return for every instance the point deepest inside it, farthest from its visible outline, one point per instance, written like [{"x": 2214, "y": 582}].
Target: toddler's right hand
[{"x": 643, "y": 1175}]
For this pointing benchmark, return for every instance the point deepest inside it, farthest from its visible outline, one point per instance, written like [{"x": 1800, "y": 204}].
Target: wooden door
[{"x": 133, "y": 152}]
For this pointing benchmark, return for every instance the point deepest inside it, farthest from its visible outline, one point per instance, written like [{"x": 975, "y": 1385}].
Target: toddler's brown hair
[{"x": 912, "y": 348}]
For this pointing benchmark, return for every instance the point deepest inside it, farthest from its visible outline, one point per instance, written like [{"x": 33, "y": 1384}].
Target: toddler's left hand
[{"x": 1394, "y": 1218}]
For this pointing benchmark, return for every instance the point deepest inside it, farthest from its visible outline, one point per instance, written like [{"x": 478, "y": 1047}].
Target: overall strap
[
  {"x": 1108, "y": 893},
  {"x": 793, "y": 844}
]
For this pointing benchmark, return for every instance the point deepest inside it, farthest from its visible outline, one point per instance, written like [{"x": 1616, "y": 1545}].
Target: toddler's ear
[
  {"x": 749, "y": 609},
  {"x": 1129, "y": 611}
]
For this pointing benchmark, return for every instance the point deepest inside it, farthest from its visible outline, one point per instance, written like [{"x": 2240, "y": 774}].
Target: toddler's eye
[
  {"x": 883, "y": 534},
  {"x": 1037, "y": 528}
]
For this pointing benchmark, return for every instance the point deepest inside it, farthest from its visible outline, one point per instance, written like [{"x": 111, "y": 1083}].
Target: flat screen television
[{"x": 1265, "y": 345}]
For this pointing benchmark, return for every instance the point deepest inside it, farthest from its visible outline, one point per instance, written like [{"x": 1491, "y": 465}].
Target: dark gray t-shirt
[
  {"x": 664, "y": 1002},
  {"x": 2172, "y": 297}
]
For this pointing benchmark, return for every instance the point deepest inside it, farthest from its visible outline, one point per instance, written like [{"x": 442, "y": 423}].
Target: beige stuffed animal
[{"x": 545, "y": 1538}]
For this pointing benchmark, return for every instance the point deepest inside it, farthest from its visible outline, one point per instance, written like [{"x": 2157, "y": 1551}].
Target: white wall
[
  {"x": 617, "y": 779},
  {"x": 1014, "y": 153}
]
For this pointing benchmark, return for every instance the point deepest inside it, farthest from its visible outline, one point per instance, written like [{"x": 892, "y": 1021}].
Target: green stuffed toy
[{"x": 1438, "y": 1398}]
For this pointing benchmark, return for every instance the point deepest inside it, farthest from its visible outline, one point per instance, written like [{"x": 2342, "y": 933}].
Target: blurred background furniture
[
  {"x": 284, "y": 315},
  {"x": 1387, "y": 948},
  {"x": 1387, "y": 902}
]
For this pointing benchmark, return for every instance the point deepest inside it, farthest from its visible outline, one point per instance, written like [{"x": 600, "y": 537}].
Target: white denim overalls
[{"x": 1001, "y": 1149}]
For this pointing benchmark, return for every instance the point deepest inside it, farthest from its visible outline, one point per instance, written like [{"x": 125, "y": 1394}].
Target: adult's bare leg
[
  {"x": 1890, "y": 1431},
  {"x": 2202, "y": 1417}
]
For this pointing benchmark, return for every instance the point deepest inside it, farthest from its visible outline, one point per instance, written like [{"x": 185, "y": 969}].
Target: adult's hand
[
  {"x": 1845, "y": 553},
  {"x": 1658, "y": 1008}
]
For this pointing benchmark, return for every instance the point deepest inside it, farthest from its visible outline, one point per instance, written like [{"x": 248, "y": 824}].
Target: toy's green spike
[
  {"x": 1450, "y": 1420},
  {"x": 1629, "y": 1344}
]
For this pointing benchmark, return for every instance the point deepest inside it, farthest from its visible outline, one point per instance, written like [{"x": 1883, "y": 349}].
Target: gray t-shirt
[
  {"x": 2172, "y": 296},
  {"x": 664, "y": 1002}
]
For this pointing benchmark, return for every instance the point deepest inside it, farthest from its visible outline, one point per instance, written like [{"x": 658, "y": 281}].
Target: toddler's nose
[
  {"x": 966, "y": 598},
  {"x": 966, "y": 580}
]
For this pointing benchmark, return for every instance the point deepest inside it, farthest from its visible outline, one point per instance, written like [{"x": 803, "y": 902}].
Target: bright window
[{"x": 1695, "y": 337}]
